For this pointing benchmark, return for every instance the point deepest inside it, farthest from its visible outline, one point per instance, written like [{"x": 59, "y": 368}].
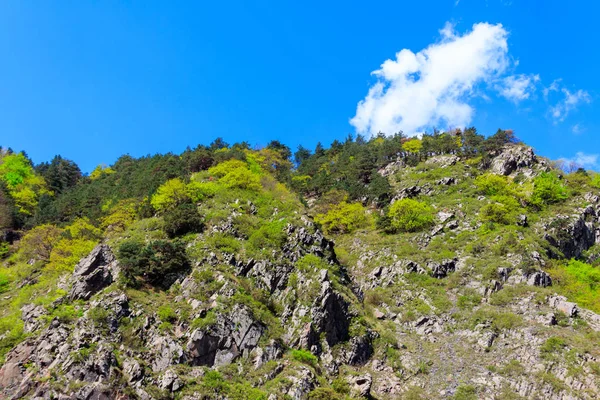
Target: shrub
[
  {"x": 38, "y": 243},
  {"x": 496, "y": 212},
  {"x": 323, "y": 394},
  {"x": 158, "y": 262},
  {"x": 580, "y": 282},
  {"x": 305, "y": 357},
  {"x": 552, "y": 345},
  {"x": 182, "y": 219},
  {"x": 268, "y": 236},
  {"x": 410, "y": 215},
  {"x": 548, "y": 189},
  {"x": 235, "y": 174},
  {"x": 491, "y": 184},
  {"x": 343, "y": 218},
  {"x": 166, "y": 314},
  {"x": 170, "y": 194},
  {"x": 465, "y": 392}
]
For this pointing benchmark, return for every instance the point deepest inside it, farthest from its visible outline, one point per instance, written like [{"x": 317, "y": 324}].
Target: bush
[
  {"x": 235, "y": 174},
  {"x": 169, "y": 195},
  {"x": 305, "y": 357},
  {"x": 552, "y": 345},
  {"x": 496, "y": 212},
  {"x": 409, "y": 215},
  {"x": 157, "y": 263},
  {"x": 167, "y": 314},
  {"x": 343, "y": 218},
  {"x": 268, "y": 236},
  {"x": 580, "y": 282},
  {"x": 324, "y": 394},
  {"x": 548, "y": 189},
  {"x": 182, "y": 219},
  {"x": 491, "y": 184}
]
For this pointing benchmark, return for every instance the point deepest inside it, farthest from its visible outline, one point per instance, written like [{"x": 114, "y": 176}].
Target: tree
[
  {"x": 408, "y": 215},
  {"x": 182, "y": 219},
  {"x": 158, "y": 263},
  {"x": 169, "y": 195},
  {"x": 218, "y": 143},
  {"x": 38, "y": 243},
  {"x": 412, "y": 146},
  {"x": 60, "y": 174},
  {"x": 301, "y": 155}
]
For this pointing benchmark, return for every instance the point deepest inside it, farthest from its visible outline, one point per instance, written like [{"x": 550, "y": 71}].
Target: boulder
[
  {"x": 330, "y": 315},
  {"x": 511, "y": 158},
  {"x": 560, "y": 303},
  {"x": 361, "y": 385},
  {"x": 232, "y": 336},
  {"x": 571, "y": 235},
  {"x": 441, "y": 270},
  {"x": 539, "y": 278},
  {"x": 93, "y": 273}
]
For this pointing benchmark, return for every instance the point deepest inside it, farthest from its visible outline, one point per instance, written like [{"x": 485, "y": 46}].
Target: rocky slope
[{"x": 463, "y": 309}]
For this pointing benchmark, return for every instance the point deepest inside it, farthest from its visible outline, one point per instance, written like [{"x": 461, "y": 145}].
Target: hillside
[{"x": 448, "y": 267}]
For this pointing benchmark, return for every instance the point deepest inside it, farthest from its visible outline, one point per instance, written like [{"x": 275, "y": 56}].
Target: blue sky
[{"x": 94, "y": 80}]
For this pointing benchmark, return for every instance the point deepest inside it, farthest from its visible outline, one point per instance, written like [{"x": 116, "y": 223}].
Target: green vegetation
[
  {"x": 304, "y": 356},
  {"x": 219, "y": 226},
  {"x": 578, "y": 281},
  {"x": 343, "y": 218},
  {"x": 156, "y": 263},
  {"x": 548, "y": 189},
  {"x": 409, "y": 215}
]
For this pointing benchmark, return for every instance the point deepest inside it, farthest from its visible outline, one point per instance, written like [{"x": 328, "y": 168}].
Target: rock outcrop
[
  {"x": 232, "y": 336},
  {"x": 512, "y": 158},
  {"x": 93, "y": 273}
]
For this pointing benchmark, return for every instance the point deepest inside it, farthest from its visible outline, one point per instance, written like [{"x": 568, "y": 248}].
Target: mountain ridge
[{"x": 450, "y": 266}]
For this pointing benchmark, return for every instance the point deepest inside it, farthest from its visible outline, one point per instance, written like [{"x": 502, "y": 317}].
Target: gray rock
[
  {"x": 447, "y": 181},
  {"x": 560, "y": 303},
  {"x": 539, "y": 278},
  {"x": 361, "y": 385},
  {"x": 93, "y": 273},
  {"x": 441, "y": 270},
  {"x": 571, "y": 235},
  {"x": 522, "y": 220},
  {"x": 30, "y": 314},
  {"x": 512, "y": 158},
  {"x": 170, "y": 381},
  {"x": 330, "y": 315},
  {"x": 234, "y": 335}
]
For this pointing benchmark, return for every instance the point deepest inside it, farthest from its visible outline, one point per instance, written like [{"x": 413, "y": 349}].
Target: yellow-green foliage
[
  {"x": 101, "y": 170},
  {"x": 408, "y": 215},
  {"x": 168, "y": 195},
  {"x": 77, "y": 241},
  {"x": 58, "y": 251},
  {"x": 236, "y": 174},
  {"x": 120, "y": 215},
  {"x": 343, "y": 218},
  {"x": 580, "y": 282},
  {"x": 492, "y": 184},
  {"x": 548, "y": 189},
  {"x": 38, "y": 243},
  {"x": 412, "y": 146},
  {"x": 24, "y": 186},
  {"x": 496, "y": 212}
]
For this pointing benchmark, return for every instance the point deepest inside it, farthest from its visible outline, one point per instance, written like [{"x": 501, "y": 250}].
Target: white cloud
[
  {"x": 518, "y": 87},
  {"x": 583, "y": 160},
  {"x": 432, "y": 87},
  {"x": 570, "y": 102},
  {"x": 577, "y": 129},
  {"x": 552, "y": 88}
]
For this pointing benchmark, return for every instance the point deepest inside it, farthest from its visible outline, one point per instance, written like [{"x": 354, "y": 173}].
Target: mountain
[{"x": 451, "y": 266}]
